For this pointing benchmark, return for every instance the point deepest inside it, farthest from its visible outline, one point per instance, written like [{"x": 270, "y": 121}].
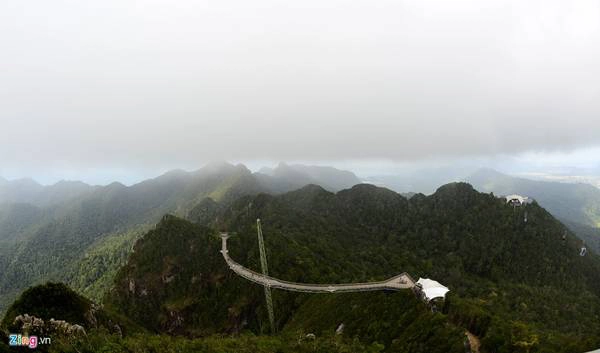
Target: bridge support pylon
[{"x": 265, "y": 271}]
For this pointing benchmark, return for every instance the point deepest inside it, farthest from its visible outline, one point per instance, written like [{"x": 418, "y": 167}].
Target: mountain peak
[
  {"x": 369, "y": 195},
  {"x": 115, "y": 185},
  {"x": 313, "y": 188},
  {"x": 457, "y": 193},
  {"x": 329, "y": 178},
  {"x": 309, "y": 190},
  {"x": 371, "y": 189},
  {"x": 218, "y": 165},
  {"x": 455, "y": 188},
  {"x": 25, "y": 182},
  {"x": 65, "y": 183}
]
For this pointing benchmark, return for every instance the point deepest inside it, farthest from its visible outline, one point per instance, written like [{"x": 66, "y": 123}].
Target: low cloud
[{"x": 113, "y": 84}]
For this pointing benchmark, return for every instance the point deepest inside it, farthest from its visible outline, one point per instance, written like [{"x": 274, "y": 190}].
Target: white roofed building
[
  {"x": 517, "y": 200},
  {"x": 432, "y": 289}
]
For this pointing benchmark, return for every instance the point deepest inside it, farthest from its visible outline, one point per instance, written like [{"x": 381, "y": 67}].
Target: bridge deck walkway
[{"x": 401, "y": 281}]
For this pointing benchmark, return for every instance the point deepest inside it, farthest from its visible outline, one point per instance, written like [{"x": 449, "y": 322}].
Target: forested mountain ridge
[
  {"x": 84, "y": 240},
  {"x": 577, "y": 205},
  {"x": 177, "y": 282},
  {"x": 329, "y": 178},
  {"x": 514, "y": 283},
  {"x": 31, "y": 192},
  {"x": 576, "y": 202},
  {"x": 65, "y": 242}
]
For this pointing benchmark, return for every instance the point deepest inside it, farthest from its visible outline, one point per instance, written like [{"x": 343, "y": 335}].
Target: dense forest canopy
[
  {"x": 517, "y": 280},
  {"x": 81, "y": 235},
  {"x": 503, "y": 272}
]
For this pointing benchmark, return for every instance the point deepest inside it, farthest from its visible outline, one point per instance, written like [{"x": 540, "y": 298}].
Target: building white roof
[
  {"x": 515, "y": 196},
  {"x": 522, "y": 199},
  {"x": 432, "y": 289}
]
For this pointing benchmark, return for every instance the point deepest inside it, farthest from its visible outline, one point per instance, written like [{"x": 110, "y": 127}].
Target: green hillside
[
  {"x": 57, "y": 301},
  {"x": 82, "y": 235},
  {"x": 184, "y": 287},
  {"x": 577, "y": 205},
  {"x": 519, "y": 286},
  {"x": 110, "y": 331},
  {"x": 84, "y": 241},
  {"x": 514, "y": 284}
]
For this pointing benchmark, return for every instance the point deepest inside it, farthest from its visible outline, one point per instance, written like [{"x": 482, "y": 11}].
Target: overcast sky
[{"x": 122, "y": 88}]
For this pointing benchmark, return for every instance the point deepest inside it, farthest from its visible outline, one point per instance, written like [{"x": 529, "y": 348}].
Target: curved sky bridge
[{"x": 401, "y": 281}]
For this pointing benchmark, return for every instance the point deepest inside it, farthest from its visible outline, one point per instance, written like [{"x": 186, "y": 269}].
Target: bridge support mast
[{"x": 265, "y": 271}]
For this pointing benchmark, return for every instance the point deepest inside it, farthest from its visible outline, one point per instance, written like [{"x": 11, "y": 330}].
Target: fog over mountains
[
  {"x": 296, "y": 175},
  {"x": 400, "y": 127},
  {"x": 29, "y": 191},
  {"x": 63, "y": 224},
  {"x": 576, "y": 204}
]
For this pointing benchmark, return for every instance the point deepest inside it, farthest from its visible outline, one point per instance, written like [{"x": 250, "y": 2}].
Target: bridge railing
[{"x": 404, "y": 279}]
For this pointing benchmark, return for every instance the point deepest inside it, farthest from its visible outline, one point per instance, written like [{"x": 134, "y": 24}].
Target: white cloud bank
[{"x": 153, "y": 84}]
